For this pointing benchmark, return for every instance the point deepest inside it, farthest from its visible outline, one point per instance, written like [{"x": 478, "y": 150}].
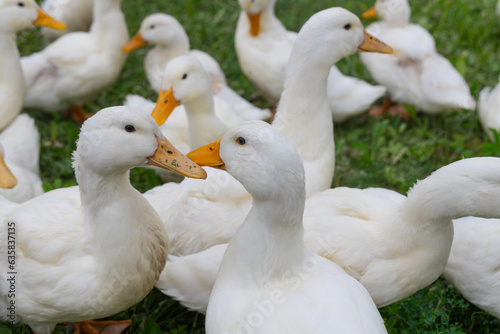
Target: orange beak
[
  {"x": 136, "y": 42},
  {"x": 369, "y": 13},
  {"x": 165, "y": 104},
  {"x": 168, "y": 157},
  {"x": 45, "y": 20},
  {"x": 254, "y": 24},
  {"x": 7, "y": 179},
  {"x": 373, "y": 44},
  {"x": 208, "y": 156}
]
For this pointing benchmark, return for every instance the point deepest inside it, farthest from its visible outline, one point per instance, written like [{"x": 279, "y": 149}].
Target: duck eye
[
  {"x": 241, "y": 141},
  {"x": 129, "y": 128},
  {"x": 347, "y": 26},
  {"x": 184, "y": 76},
  {"x": 152, "y": 26},
  {"x": 20, "y": 4}
]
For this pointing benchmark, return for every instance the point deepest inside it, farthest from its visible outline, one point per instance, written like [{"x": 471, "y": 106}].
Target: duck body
[
  {"x": 14, "y": 17},
  {"x": 75, "y": 68},
  {"x": 21, "y": 147},
  {"x": 415, "y": 73},
  {"x": 90, "y": 251},
  {"x": 171, "y": 41},
  {"x": 473, "y": 263},
  {"x": 267, "y": 257},
  {"x": 303, "y": 110},
  {"x": 263, "y": 58},
  {"x": 11, "y": 91},
  {"x": 76, "y": 14},
  {"x": 487, "y": 109},
  {"x": 352, "y": 227}
]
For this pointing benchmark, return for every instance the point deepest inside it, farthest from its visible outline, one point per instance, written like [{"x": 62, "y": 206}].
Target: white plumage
[
  {"x": 263, "y": 58},
  {"x": 76, "y": 67},
  {"x": 415, "y": 73},
  {"x": 20, "y": 143},
  {"x": 170, "y": 40},
  {"x": 473, "y": 266},
  {"x": 90, "y": 251},
  {"x": 268, "y": 281}
]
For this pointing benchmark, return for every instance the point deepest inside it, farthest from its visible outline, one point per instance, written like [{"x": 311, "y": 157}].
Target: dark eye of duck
[
  {"x": 241, "y": 141},
  {"x": 20, "y": 4},
  {"x": 152, "y": 26},
  {"x": 347, "y": 26},
  {"x": 184, "y": 76},
  {"x": 129, "y": 128}
]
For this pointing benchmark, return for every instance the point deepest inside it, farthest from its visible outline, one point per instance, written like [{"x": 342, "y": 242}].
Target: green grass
[{"x": 385, "y": 153}]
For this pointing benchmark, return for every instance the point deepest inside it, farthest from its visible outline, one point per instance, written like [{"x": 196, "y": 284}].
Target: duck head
[
  {"x": 16, "y": 15},
  {"x": 159, "y": 29},
  {"x": 184, "y": 80},
  {"x": 117, "y": 139}
]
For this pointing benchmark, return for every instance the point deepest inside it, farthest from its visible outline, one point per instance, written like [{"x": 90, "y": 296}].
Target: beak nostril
[{"x": 170, "y": 152}]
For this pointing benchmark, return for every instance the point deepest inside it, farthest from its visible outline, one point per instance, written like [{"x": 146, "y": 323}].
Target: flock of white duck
[{"x": 263, "y": 245}]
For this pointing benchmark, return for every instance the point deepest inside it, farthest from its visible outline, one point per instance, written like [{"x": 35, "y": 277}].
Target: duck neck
[
  {"x": 118, "y": 220},
  {"x": 470, "y": 187},
  {"x": 109, "y": 25},
  {"x": 270, "y": 243},
  {"x": 10, "y": 65},
  {"x": 397, "y": 15},
  {"x": 12, "y": 90},
  {"x": 305, "y": 117},
  {"x": 204, "y": 126},
  {"x": 174, "y": 47}
]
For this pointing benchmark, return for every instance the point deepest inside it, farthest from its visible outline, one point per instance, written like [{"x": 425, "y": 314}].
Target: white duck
[
  {"x": 76, "y": 15},
  {"x": 415, "y": 73},
  {"x": 20, "y": 146},
  {"x": 194, "y": 122},
  {"x": 16, "y": 15},
  {"x": 269, "y": 282},
  {"x": 92, "y": 250},
  {"x": 170, "y": 41},
  {"x": 394, "y": 245},
  {"x": 488, "y": 110},
  {"x": 221, "y": 203},
  {"x": 76, "y": 67},
  {"x": 263, "y": 46},
  {"x": 473, "y": 266}
]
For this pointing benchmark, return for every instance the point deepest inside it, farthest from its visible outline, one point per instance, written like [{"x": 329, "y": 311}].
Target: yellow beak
[
  {"x": 373, "y": 44},
  {"x": 136, "y": 42},
  {"x": 254, "y": 24},
  {"x": 369, "y": 13},
  {"x": 165, "y": 104},
  {"x": 208, "y": 155},
  {"x": 7, "y": 179},
  {"x": 168, "y": 157},
  {"x": 45, "y": 20}
]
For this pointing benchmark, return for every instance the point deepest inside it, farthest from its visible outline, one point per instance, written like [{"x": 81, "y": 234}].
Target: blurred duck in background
[
  {"x": 263, "y": 46},
  {"x": 16, "y": 15},
  {"x": 76, "y": 67},
  {"x": 170, "y": 40},
  {"x": 75, "y": 14},
  {"x": 415, "y": 74},
  {"x": 488, "y": 109}
]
